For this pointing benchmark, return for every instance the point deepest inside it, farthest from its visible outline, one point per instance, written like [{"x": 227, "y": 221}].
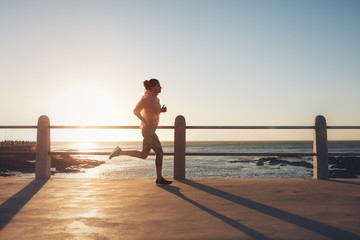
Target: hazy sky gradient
[{"x": 219, "y": 62}]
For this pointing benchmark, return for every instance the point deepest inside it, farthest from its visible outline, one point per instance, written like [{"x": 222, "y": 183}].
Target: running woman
[{"x": 148, "y": 111}]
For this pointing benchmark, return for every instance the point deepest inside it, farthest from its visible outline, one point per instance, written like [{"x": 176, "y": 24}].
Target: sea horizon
[{"x": 187, "y": 141}]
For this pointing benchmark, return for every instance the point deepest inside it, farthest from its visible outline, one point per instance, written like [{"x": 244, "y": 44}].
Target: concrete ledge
[{"x": 188, "y": 209}]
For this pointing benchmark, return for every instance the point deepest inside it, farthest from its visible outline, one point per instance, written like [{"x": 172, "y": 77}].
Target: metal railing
[
  {"x": 320, "y": 151},
  {"x": 269, "y": 154}
]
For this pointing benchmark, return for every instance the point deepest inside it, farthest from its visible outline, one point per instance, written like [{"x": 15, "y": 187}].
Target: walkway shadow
[
  {"x": 16, "y": 202},
  {"x": 306, "y": 223},
  {"x": 256, "y": 235},
  {"x": 343, "y": 181}
]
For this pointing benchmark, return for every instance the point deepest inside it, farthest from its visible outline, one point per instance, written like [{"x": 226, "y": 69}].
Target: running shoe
[
  {"x": 163, "y": 181},
  {"x": 115, "y": 153}
]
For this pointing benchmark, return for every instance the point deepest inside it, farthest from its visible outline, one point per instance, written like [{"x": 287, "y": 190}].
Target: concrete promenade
[{"x": 189, "y": 209}]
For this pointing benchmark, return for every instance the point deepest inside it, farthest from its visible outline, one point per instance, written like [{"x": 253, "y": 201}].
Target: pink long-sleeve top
[{"x": 149, "y": 107}]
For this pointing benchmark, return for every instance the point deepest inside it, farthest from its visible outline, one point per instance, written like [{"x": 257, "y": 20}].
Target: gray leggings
[{"x": 151, "y": 141}]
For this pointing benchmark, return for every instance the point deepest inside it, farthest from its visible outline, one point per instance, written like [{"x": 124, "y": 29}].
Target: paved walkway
[{"x": 190, "y": 209}]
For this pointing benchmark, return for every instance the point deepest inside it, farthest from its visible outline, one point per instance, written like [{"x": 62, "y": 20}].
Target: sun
[{"x": 85, "y": 105}]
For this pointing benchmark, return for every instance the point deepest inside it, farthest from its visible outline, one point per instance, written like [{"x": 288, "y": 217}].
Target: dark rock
[
  {"x": 275, "y": 161},
  {"x": 242, "y": 160},
  {"x": 6, "y": 174},
  {"x": 268, "y": 159},
  {"x": 351, "y": 164},
  {"x": 301, "y": 164},
  {"x": 66, "y": 163},
  {"x": 260, "y": 163},
  {"x": 341, "y": 174},
  {"x": 68, "y": 170}
]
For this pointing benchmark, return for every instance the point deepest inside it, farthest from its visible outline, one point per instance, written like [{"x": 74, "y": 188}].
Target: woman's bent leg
[
  {"x": 152, "y": 141},
  {"x": 135, "y": 153}
]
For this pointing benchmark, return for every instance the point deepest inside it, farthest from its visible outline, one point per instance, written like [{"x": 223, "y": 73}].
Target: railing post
[
  {"x": 321, "y": 161},
  {"x": 179, "y": 147},
  {"x": 43, "y": 162}
]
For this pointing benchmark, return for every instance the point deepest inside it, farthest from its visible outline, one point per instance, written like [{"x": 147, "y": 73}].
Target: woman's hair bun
[
  {"x": 150, "y": 83},
  {"x": 146, "y": 84}
]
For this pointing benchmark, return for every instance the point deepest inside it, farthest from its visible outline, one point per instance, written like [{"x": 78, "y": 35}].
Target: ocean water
[{"x": 200, "y": 166}]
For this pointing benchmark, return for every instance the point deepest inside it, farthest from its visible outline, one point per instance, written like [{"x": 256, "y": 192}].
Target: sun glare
[
  {"x": 85, "y": 105},
  {"x": 84, "y": 146}
]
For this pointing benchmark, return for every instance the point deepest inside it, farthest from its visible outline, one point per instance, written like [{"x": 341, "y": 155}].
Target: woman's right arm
[
  {"x": 138, "y": 108},
  {"x": 138, "y": 114}
]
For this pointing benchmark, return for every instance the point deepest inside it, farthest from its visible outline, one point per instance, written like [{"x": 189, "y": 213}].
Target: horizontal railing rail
[
  {"x": 105, "y": 127},
  {"x": 15, "y": 127},
  {"x": 92, "y": 153},
  {"x": 172, "y": 127},
  {"x": 79, "y": 127},
  {"x": 249, "y": 127},
  {"x": 343, "y": 127},
  {"x": 43, "y": 151}
]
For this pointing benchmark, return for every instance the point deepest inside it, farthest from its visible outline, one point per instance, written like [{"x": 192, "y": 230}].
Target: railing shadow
[
  {"x": 344, "y": 181},
  {"x": 16, "y": 202},
  {"x": 306, "y": 223},
  {"x": 256, "y": 235}
]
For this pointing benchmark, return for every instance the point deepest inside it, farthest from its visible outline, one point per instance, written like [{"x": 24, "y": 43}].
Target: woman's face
[{"x": 156, "y": 88}]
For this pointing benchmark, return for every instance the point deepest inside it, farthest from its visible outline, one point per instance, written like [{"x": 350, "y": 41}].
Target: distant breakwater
[{"x": 17, "y": 146}]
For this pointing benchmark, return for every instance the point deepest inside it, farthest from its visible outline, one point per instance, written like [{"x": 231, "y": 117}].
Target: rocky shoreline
[
  {"x": 344, "y": 167},
  {"x": 339, "y": 167},
  {"x": 25, "y": 163}
]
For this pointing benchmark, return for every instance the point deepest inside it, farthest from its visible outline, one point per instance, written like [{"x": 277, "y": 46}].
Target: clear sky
[{"x": 223, "y": 62}]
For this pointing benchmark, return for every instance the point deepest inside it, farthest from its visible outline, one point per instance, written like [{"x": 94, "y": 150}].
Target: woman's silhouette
[{"x": 148, "y": 111}]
